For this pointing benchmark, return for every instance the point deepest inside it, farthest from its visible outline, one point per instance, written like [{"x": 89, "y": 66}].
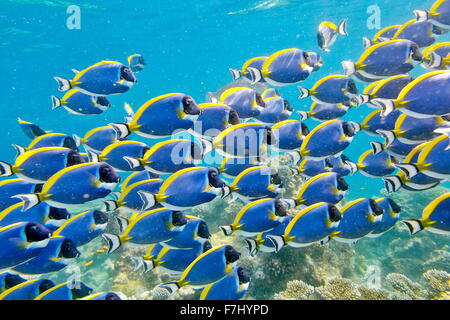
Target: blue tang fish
[
  {"x": 276, "y": 110},
  {"x": 232, "y": 287},
  {"x": 215, "y": 118},
  {"x": 247, "y": 102},
  {"x": 324, "y": 111},
  {"x": 30, "y": 129},
  {"x": 328, "y": 32},
  {"x": 115, "y": 154},
  {"x": 97, "y": 139},
  {"x": 377, "y": 121},
  {"x": 194, "y": 232},
  {"x": 376, "y": 165},
  {"x": 66, "y": 291},
  {"x": 289, "y": 135},
  {"x": 390, "y": 217},
  {"x": 27, "y": 290},
  {"x": 12, "y": 187},
  {"x": 256, "y": 62},
  {"x": 78, "y": 103},
  {"x": 136, "y": 62}
]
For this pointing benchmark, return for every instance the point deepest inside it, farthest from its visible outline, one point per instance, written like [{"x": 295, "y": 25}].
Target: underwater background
[{"x": 189, "y": 47}]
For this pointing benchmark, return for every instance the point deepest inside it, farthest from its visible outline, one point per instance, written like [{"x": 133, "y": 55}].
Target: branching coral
[
  {"x": 339, "y": 289},
  {"x": 405, "y": 287},
  {"x": 295, "y": 290},
  {"x": 438, "y": 280}
]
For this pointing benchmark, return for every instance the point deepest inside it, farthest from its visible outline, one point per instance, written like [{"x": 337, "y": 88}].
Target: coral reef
[{"x": 295, "y": 290}]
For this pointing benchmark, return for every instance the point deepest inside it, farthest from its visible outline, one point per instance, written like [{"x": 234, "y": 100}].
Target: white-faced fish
[
  {"x": 76, "y": 102},
  {"x": 168, "y": 156},
  {"x": 334, "y": 89},
  {"x": 169, "y": 260},
  {"x": 97, "y": 139},
  {"x": 161, "y": 116},
  {"x": 375, "y": 121},
  {"x": 147, "y": 228},
  {"x": 38, "y": 165},
  {"x": 256, "y": 183},
  {"x": 232, "y": 287},
  {"x": 435, "y": 217},
  {"x": 209, "y": 267},
  {"x": 376, "y": 165},
  {"x": 204, "y": 184},
  {"x": 256, "y": 217},
  {"x": 359, "y": 218},
  {"x": 284, "y": 67},
  {"x": 84, "y": 227},
  {"x": 101, "y": 79},
  {"x": 328, "y": 33},
  {"x": 328, "y": 139},
  {"x": 54, "y": 257},
  {"x": 74, "y": 185},
  {"x": 313, "y": 224},
  {"x": 391, "y": 214},
  {"x": 22, "y": 241},
  {"x": 425, "y": 97},
  {"x": 289, "y": 135},
  {"x": 385, "y": 59},
  {"x": 52, "y": 218}
]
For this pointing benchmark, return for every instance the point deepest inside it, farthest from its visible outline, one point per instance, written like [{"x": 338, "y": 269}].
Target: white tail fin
[
  {"x": 207, "y": 146},
  {"x": 295, "y": 156},
  {"x": 111, "y": 205},
  {"x": 435, "y": 60},
  {"x": 325, "y": 241},
  {"x": 414, "y": 225},
  {"x": 387, "y": 105},
  {"x": 6, "y": 169},
  {"x": 409, "y": 169},
  {"x": 29, "y": 200},
  {"x": 75, "y": 71},
  {"x": 170, "y": 287},
  {"x": 149, "y": 200},
  {"x": 132, "y": 162},
  {"x": 226, "y": 191},
  {"x": 139, "y": 263},
  {"x": 353, "y": 167},
  {"x": 342, "y": 28},
  {"x": 392, "y": 183},
  {"x": 227, "y": 230},
  {"x": 278, "y": 242},
  {"x": 388, "y": 136},
  {"x": 235, "y": 74},
  {"x": 77, "y": 140},
  {"x": 363, "y": 99},
  {"x": 56, "y": 103},
  {"x": 303, "y": 115},
  {"x": 377, "y": 147},
  {"x": 304, "y": 93},
  {"x": 252, "y": 247},
  {"x": 122, "y": 129},
  {"x": 63, "y": 84},
  {"x": 294, "y": 171},
  {"x": 255, "y": 74},
  {"x": 421, "y": 15},
  {"x": 122, "y": 223},
  {"x": 356, "y": 126},
  {"x": 92, "y": 156},
  {"x": 349, "y": 67},
  {"x": 19, "y": 149},
  {"x": 113, "y": 241},
  {"x": 366, "y": 42},
  {"x": 444, "y": 130}
]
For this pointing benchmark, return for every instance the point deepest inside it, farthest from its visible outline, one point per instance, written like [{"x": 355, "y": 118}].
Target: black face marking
[
  {"x": 36, "y": 232},
  {"x": 127, "y": 75},
  {"x": 203, "y": 230},
  {"x": 415, "y": 53},
  {"x": 73, "y": 158},
  {"x": 287, "y": 105},
  {"x": 351, "y": 87},
  {"x": 233, "y": 117},
  {"x": 376, "y": 209},
  {"x": 214, "y": 179},
  {"x": 231, "y": 255},
  {"x": 12, "y": 280},
  {"x": 305, "y": 129},
  {"x": 178, "y": 218},
  {"x": 38, "y": 188},
  {"x": 341, "y": 184},
  {"x": 112, "y": 296},
  {"x": 275, "y": 179},
  {"x": 259, "y": 100},
  {"x": 189, "y": 106},
  {"x": 103, "y": 101},
  {"x": 207, "y": 246},
  {"x": 70, "y": 143},
  {"x": 81, "y": 290},
  {"x": 334, "y": 213},
  {"x": 69, "y": 249},
  {"x": 58, "y": 213},
  {"x": 45, "y": 285},
  {"x": 348, "y": 129},
  {"x": 243, "y": 276},
  {"x": 108, "y": 175},
  {"x": 100, "y": 217},
  {"x": 280, "y": 209}
]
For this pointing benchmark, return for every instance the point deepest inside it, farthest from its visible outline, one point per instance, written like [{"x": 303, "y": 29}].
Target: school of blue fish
[{"x": 148, "y": 188}]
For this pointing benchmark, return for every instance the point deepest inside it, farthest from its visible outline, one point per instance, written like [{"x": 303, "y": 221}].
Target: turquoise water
[{"x": 188, "y": 46}]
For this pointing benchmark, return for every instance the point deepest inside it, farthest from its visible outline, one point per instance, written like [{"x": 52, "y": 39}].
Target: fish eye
[{"x": 187, "y": 101}]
